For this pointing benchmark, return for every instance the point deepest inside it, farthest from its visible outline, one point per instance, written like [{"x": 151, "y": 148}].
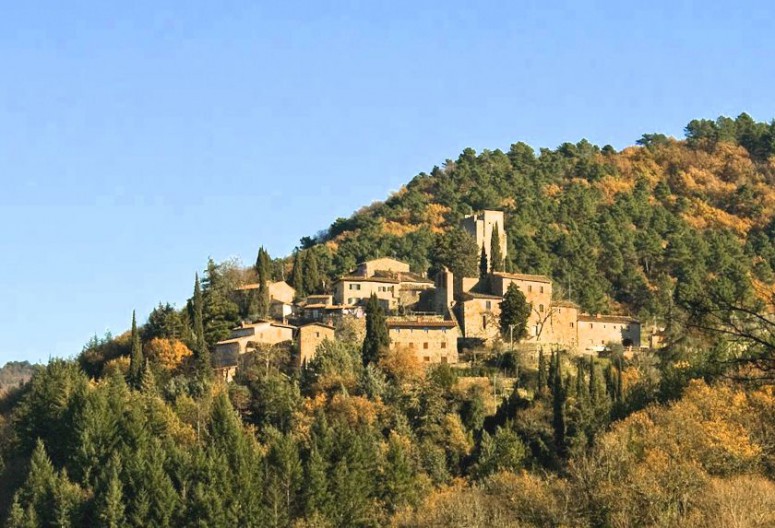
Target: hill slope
[{"x": 616, "y": 230}]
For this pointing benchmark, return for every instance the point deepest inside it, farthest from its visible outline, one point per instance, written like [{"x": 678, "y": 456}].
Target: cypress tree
[
  {"x": 483, "y": 264},
  {"x": 619, "y": 387},
  {"x": 551, "y": 371},
  {"x": 594, "y": 392},
  {"x": 541, "y": 372},
  {"x": 377, "y": 339},
  {"x": 136, "y": 361},
  {"x": 559, "y": 395},
  {"x": 297, "y": 275},
  {"x": 496, "y": 256},
  {"x": 198, "y": 317},
  {"x": 311, "y": 272},
  {"x": 264, "y": 275}
]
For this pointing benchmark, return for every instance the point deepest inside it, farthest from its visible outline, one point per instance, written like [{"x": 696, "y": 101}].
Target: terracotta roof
[
  {"x": 396, "y": 323},
  {"x": 259, "y": 323},
  {"x": 565, "y": 304},
  {"x": 588, "y": 318},
  {"x": 473, "y": 295},
  {"x": 232, "y": 340},
  {"x": 318, "y": 297},
  {"x": 408, "y": 276},
  {"x": 360, "y": 278},
  {"x": 254, "y": 285},
  {"x": 317, "y": 324},
  {"x": 523, "y": 277}
]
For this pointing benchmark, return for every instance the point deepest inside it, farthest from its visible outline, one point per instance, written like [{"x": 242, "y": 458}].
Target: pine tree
[
  {"x": 515, "y": 310},
  {"x": 110, "y": 501},
  {"x": 377, "y": 340},
  {"x": 297, "y": 275},
  {"x": 202, "y": 361},
  {"x": 400, "y": 483},
  {"x": 317, "y": 498},
  {"x": 311, "y": 273},
  {"x": 220, "y": 313},
  {"x": 496, "y": 256},
  {"x": 484, "y": 267},
  {"x": 136, "y": 360}
]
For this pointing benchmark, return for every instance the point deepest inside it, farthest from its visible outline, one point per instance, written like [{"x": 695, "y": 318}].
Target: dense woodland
[{"x": 136, "y": 432}]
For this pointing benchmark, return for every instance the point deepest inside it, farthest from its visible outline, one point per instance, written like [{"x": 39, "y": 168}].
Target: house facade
[
  {"x": 310, "y": 336},
  {"x": 432, "y": 341},
  {"x": 595, "y": 332}
]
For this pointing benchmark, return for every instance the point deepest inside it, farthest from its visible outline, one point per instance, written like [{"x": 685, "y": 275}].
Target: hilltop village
[{"x": 437, "y": 319}]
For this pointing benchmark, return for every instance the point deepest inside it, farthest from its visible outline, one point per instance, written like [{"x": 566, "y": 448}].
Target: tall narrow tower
[{"x": 480, "y": 226}]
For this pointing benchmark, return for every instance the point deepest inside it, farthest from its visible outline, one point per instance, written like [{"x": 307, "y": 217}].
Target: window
[
  {"x": 488, "y": 305},
  {"x": 591, "y": 325},
  {"x": 529, "y": 288},
  {"x": 443, "y": 344},
  {"x": 541, "y": 308},
  {"x": 425, "y": 346},
  {"x": 427, "y": 359},
  {"x": 484, "y": 321},
  {"x": 542, "y": 289},
  {"x": 444, "y": 359},
  {"x": 571, "y": 324},
  {"x": 317, "y": 334}
]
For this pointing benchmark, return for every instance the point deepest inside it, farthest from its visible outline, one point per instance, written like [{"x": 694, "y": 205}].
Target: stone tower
[{"x": 480, "y": 227}]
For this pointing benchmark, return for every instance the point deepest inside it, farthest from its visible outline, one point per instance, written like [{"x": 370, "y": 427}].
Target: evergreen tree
[
  {"x": 110, "y": 501},
  {"x": 263, "y": 272},
  {"x": 163, "y": 322},
  {"x": 202, "y": 361},
  {"x": 400, "y": 482},
  {"x": 297, "y": 275},
  {"x": 484, "y": 267},
  {"x": 136, "y": 361},
  {"x": 220, "y": 313},
  {"x": 496, "y": 256},
  {"x": 197, "y": 316},
  {"x": 515, "y": 310},
  {"x": 317, "y": 498},
  {"x": 541, "y": 385},
  {"x": 311, "y": 273},
  {"x": 559, "y": 395},
  {"x": 376, "y": 341}
]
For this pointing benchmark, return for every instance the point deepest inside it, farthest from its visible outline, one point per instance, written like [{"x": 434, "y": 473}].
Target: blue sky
[{"x": 139, "y": 138}]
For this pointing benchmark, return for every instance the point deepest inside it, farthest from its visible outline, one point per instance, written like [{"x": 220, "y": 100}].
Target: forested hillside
[
  {"x": 136, "y": 431},
  {"x": 616, "y": 230}
]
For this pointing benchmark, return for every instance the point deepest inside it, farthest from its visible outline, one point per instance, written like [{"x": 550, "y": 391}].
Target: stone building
[
  {"x": 310, "y": 336},
  {"x": 480, "y": 227},
  {"x": 432, "y": 341},
  {"x": 395, "y": 286},
  {"x": 595, "y": 332}
]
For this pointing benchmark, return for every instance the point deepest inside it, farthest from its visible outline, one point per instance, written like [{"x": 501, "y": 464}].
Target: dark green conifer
[
  {"x": 264, "y": 276},
  {"x": 484, "y": 267},
  {"x": 496, "y": 256},
  {"x": 110, "y": 500},
  {"x": 541, "y": 388},
  {"x": 559, "y": 395},
  {"x": 377, "y": 340},
  {"x": 311, "y": 273},
  {"x": 136, "y": 361},
  {"x": 297, "y": 275}
]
